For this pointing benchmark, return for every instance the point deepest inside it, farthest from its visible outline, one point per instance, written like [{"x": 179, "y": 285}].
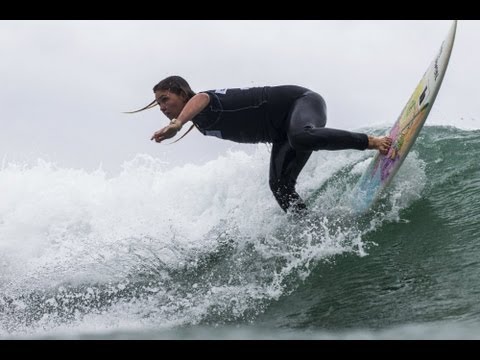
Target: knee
[
  {"x": 287, "y": 197},
  {"x": 282, "y": 192},
  {"x": 279, "y": 189},
  {"x": 300, "y": 141},
  {"x": 275, "y": 185}
]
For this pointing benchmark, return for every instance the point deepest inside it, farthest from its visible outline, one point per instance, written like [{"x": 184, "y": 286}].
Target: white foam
[{"x": 62, "y": 228}]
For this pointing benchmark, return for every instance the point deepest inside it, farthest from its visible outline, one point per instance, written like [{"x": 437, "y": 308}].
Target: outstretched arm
[{"x": 192, "y": 108}]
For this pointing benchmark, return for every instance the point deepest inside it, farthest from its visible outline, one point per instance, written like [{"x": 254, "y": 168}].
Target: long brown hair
[{"x": 175, "y": 84}]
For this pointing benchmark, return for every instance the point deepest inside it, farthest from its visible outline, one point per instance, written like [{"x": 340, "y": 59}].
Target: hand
[{"x": 167, "y": 132}]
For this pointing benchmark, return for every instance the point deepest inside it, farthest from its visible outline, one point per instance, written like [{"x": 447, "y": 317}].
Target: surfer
[{"x": 292, "y": 118}]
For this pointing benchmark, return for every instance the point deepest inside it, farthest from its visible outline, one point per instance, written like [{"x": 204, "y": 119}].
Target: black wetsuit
[{"x": 290, "y": 117}]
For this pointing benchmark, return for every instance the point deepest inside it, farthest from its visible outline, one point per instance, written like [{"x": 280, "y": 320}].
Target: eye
[{"x": 162, "y": 99}]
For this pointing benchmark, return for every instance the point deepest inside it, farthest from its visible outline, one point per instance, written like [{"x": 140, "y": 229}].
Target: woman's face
[{"x": 170, "y": 103}]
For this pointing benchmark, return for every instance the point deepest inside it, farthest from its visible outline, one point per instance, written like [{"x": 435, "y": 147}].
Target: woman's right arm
[{"x": 191, "y": 109}]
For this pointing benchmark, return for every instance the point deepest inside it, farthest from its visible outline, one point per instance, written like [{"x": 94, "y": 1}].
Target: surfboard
[{"x": 404, "y": 132}]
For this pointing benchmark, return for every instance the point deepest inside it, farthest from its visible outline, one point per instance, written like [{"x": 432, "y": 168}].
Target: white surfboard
[{"x": 404, "y": 132}]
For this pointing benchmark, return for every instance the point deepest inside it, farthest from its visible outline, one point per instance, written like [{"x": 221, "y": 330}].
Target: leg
[
  {"x": 307, "y": 132},
  {"x": 285, "y": 166}
]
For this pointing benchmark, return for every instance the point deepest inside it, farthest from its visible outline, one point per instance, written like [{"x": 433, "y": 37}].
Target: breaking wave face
[{"x": 197, "y": 245}]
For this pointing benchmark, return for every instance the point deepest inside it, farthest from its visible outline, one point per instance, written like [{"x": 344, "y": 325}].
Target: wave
[{"x": 202, "y": 245}]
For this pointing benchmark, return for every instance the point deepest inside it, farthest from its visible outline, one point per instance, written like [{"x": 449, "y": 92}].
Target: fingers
[
  {"x": 385, "y": 145},
  {"x": 155, "y": 137},
  {"x": 158, "y": 136},
  {"x": 165, "y": 133}
]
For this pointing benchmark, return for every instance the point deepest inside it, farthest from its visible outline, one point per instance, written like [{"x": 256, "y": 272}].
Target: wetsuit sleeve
[
  {"x": 208, "y": 116},
  {"x": 214, "y": 104}
]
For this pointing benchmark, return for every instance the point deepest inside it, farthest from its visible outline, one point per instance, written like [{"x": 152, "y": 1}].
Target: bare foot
[{"x": 380, "y": 143}]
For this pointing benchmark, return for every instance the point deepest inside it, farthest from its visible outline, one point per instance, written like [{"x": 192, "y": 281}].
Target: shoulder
[{"x": 204, "y": 96}]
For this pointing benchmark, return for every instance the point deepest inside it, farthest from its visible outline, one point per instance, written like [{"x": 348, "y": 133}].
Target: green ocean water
[{"x": 426, "y": 267}]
